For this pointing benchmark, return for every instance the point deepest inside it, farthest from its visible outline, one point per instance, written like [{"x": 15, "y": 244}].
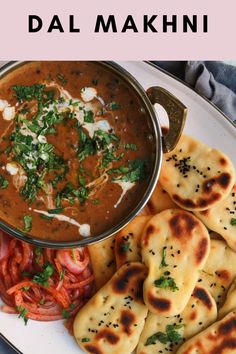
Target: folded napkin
[{"x": 213, "y": 79}]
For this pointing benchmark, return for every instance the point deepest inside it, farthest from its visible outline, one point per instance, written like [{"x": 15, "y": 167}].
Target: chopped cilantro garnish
[
  {"x": 38, "y": 252},
  {"x": 166, "y": 282},
  {"x": 163, "y": 260},
  {"x": 28, "y": 223},
  {"x": 43, "y": 277},
  {"x": 3, "y": 182},
  {"x": 29, "y": 93},
  {"x": 55, "y": 211},
  {"x": 82, "y": 181},
  {"x": 26, "y": 288},
  {"x": 62, "y": 79},
  {"x": 84, "y": 340},
  {"x": 88, "y": 117},
  {"x": 96, "y": 201},
  {"x": 137, "y": 171},
  {"x": 233, "y": 222},
  {"x": 124, "y": 247},
  {"x": 65, "y": 314},
  {"x": 132, "y": 147},
  {"x": 113, "y": 106},
  {"x": 22, "y": 313},
  {"x": 61, "y": 275},
  {"x": 170, "y": 336}
]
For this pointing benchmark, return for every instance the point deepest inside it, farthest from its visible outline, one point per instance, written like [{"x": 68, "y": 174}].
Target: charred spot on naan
[
  {"x": 148, "y": 233},
  {"x": 201, "y": 294},
  {"x": 109, "y": 335},
  {"x": 200, "y": 203},
  {"x": 131, "y": 279},
  {"x": 223, "y": 180},
  {"x": 93, "y": 349},
  {"x": 182, "y": 225},
  {"x": 161, "y": 304}
]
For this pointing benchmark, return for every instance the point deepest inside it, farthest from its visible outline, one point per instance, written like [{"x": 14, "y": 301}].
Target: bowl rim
[{"x": 136, "y": 86}]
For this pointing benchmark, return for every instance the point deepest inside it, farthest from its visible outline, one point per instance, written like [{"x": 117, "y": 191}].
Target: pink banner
[{"x": 136, "y": 30}]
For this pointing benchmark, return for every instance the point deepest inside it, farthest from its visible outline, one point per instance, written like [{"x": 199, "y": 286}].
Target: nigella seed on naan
[
  {"x": 195, "y": 175},
  {"x": 175, "y": 246},
  {"x": 113, "y": 319}
]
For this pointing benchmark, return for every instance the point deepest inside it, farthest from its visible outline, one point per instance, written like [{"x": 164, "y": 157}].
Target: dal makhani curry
[{"x": 75, "y": 149}]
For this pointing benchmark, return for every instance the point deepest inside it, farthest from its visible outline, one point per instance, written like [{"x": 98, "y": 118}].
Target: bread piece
[
  {"x": 195, "y": 175},
  {"x": 219, "y": 338},
  {"x": 199, "y": 313},
  {"x": 175, "y": 246},
  {"x": 159, "y": 201},
  {"x": 112, "y": 321},
  {"x": 222, "y": 218},
  {"x": 127, "y": 241},
  {"x": 102, "y": 257},
  {"x": 230, "y": 302},
  {"x": 219, "y": 270}
]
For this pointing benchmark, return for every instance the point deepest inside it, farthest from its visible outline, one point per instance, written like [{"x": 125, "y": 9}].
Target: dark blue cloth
[{"x": 213, "y": 79}]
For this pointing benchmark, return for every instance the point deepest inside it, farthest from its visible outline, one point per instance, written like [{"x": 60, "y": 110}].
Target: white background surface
[{"x": 203, "y": 122}]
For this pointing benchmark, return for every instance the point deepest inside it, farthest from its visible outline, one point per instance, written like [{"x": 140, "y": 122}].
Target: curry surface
[{"x": 128, "y": 121}]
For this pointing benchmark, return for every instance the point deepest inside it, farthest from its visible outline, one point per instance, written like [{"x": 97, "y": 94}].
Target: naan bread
[
  {"x": 159, "y": 200},
  {"x": 219, "y": 270},
  {"x": 102, "y": 257},
  {"x": 127, "y": 241},
  {"x": 230, "y": 302},
  {"x": 195, "y": 175},
  {"x": 222, "y": 218},
  {"x": 199, "y": 313},
  {"x": 219, "y": 338},
  {"x": 113, "y": 319},
  {"x": 175, "y": 246}
]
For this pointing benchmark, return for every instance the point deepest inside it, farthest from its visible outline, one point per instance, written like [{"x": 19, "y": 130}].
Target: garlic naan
[
  {"x": 195, "y": 175},
  {"x": 159, "y": 333},
  {"x": 175, "y": 246},
  {"x": 113, "y": 319}
]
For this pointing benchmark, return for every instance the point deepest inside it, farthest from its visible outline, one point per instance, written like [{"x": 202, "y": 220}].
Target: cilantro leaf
[
  {"x": 163, "y": 260},
  {"x": 3, "y": 182},
  {"x": 28, "y": 223},
  {"x": 28, "y": 93},
  {"x": 88, "y": 117},
  {"x": 172, "y": 335},
  {"x": 233, "y": 222},
  {"x": 62, "y": 79},
  {"x": 166, "y": 282},
  {"x": 43, "y": 277},
  {"x": 22, "y": 313}
]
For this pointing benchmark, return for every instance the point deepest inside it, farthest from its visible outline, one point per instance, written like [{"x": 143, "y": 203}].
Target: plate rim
[{"x": 156, "y": 67}]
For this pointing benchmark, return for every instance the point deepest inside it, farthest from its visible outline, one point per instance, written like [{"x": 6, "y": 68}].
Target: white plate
[{"x": 204, "y": 122}]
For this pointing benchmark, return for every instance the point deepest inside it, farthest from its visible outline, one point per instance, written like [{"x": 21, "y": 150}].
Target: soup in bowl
[{"x": 80, "y": 151}]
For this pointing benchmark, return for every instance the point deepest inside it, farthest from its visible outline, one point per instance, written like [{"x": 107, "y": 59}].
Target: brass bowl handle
[{"x": 176, "y": 111}]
